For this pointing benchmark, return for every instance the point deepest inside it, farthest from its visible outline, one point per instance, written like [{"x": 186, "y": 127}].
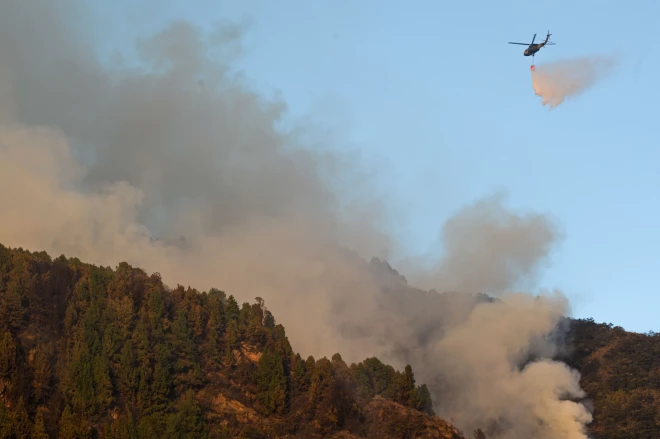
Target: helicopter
[{"x": 533, "y": 48}]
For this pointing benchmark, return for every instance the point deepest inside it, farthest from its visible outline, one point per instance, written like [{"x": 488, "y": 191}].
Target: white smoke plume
[
  {"x": 554, "y": 82},
  {"x": 176, "y": 167},
  {"x": 482, "y": 360}
]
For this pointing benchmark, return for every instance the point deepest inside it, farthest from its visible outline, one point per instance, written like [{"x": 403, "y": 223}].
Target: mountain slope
[
  {"x": 620, "y": 370},
  {"x": 621, "y": 375},
  {"x": 88, "y": 351}
]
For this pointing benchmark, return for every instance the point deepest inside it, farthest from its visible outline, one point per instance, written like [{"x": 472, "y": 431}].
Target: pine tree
[
  {"x": 12, "y": 309},
  {"x": 39, "y": 428},
  {"x": 144, "y": 392},
  {"x": 7, "y": 355},
  {"x": 364, "y": 386},
  {"x": 306, "y": 380},
  {"x": 157, "y": 309},
  {"x": 146, "y": 429},
  {"x": 411, "y": 396},
  {"x": 111, "y": 339},
  {"x": 231, "y": 341},
  {"x": 269, "y": 320},
  {"x": 81, "y": 373},
  {"x": 21, "y": 422},
  {"x": 188, "y": 423},
  {"x": 297, "y": 379},
  {"x": 184, "y": 342},
  {"x": 127, "y": 374},
  {"x": 102, "y": 383},
  {"x": 123, "y": 428},
  {"x": 161, "y": 386},
  {"x": 272, "y": 382},
  {"x": 426, "y": 404},
  {"x": 142, "y": 344},
  {"x": 214, "y": 348},
  {"x": 215, "y": 328},
  {"x": 231, "y": 309},
  {"x": 6, "y": 422},
  {"x": 42, "y": 373},
  {"x": 73, "y": 426}
]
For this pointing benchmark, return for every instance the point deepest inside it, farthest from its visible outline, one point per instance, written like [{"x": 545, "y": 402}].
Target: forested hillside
[
  {"x": 89, "y": 351},
  {"x": 621, "y": 375}
]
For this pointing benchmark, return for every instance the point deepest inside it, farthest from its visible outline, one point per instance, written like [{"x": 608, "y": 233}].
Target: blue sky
[{"x": 431, "y": 91}]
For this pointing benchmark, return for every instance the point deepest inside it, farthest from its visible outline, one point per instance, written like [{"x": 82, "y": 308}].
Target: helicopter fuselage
[{"x": 532, "y": 49}]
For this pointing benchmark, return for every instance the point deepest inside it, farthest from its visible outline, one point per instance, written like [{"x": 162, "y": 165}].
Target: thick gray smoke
[
  {"x": 490, "y": 250},
  {"x": 556, "y": 81},
  {"x": 177, "y": 168}
]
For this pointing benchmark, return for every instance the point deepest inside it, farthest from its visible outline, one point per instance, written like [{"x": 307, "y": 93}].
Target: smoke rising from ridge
[
  {"x": 506, "y": 250},
  {"x": 556, "y": 81},
  {"x": 150, "y": 167},
  {"x": 481, "y": 361}
]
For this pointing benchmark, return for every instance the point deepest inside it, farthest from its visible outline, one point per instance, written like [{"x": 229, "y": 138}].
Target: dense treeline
[
  {"x": 89, "y": 351},
  {"x": 621, "y": 375}
]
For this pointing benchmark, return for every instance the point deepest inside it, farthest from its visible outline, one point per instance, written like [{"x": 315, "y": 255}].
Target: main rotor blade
[{"x": 522, "y": 44}]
